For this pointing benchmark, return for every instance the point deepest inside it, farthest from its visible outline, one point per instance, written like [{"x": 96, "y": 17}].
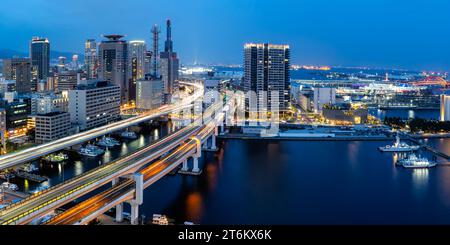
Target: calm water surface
[{"x": 289, "y": 182}]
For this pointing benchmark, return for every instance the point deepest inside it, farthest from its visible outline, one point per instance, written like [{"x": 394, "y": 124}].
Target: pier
[
  {"x": 428, "y": 148},
  {"x": 31, "y": 177}
]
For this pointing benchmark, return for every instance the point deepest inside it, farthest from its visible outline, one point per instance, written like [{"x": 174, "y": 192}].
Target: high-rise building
[
  {"x": 2, "y": 130},
  {"x": 445, "y": 108},
  {"x": 113, "y": 64},
  {"x": 94, "y": 104},
  {"x": 266, "y": 70},
  {"x": 136, "y": 62},
  {"x": 74, "y": 64},
  {"x": 148, "y": 62},
  {"x": 40, "y": 57},
  {"x": 2, "y": 119},
  {"x": 90, "y": 58},
  {"x": 169, "y": 66},
  {"x": 18, "y": 69},
  {"x": 62, "y": 63},
  {"x": 149, "y": 94},
  {"x": 155, "y": 54}
]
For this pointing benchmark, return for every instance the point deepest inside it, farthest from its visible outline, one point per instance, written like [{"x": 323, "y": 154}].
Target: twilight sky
[{"x": 412, "y": 34}]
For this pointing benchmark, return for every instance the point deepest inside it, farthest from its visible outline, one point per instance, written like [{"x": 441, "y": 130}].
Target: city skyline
[{"x": 407, "y": 35}]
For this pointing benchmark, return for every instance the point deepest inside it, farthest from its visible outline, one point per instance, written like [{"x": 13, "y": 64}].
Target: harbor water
[{"x": 286, "y": 182}]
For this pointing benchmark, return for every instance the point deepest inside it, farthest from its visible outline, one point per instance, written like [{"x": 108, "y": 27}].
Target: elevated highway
[
  {"x": 43, "y": 202},
  {"x": 90, "y": 209},
  {"x": 20, "y": 157}
]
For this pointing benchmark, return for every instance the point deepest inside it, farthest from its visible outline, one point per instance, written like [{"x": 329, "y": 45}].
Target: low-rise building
[
  {"x": 51, "y": 126},
  {"x": 43, "y": 103},
  {"x": 17, "y": 113},
  {"x": 66, "y": 80},
  {"x": 93, "y": 104},
  {"x": 323, "y": 96},
  {"x": 345, "y": 113}
]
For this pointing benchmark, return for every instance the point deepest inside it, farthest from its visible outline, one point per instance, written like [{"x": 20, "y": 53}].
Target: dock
[
  {"x": 428, "y": 148},
  {"x": 31, "y": 177}
]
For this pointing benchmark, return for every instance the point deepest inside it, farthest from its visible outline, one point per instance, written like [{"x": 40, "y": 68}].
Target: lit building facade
[
  {"x": 136, "y": 61},
  {"x": 7, "y": 86},
  {"x": 323, "y": 96},
  {"x": 267, "y": 70},
  {"x": 66, "y": 80},
  {"x": 445, "y": 108},
  {"x": 17, "y": 113},
  {"x": 43, "y": 103},
  {"x": 94, "y": 104},
  {"x": 113, "y": 64},
  {"x": 345, "y": 113},
  {"x": 90, "y": 58},
  {"x": 51, "y": 126},
  {"x": 18, "y": 69},
  {"x": 149, "y": 94},
  {"x": 40, "y": 57},
  {"x": 169, "y": 63}
]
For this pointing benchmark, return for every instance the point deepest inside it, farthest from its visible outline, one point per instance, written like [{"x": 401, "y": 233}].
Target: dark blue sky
[{"x": 382, "y": 33}]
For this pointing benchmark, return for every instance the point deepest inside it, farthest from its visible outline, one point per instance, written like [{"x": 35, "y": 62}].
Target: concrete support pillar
[
  {"x": 134, "y": 219},
  {"x": 199, "y": 146},
  {"x": 185, "y": 166},
  {"x": 213, "y": 142},
  {"x": 115, "y": 181},
  {"x": 119, "y": 213},
  {"x": 196, "y": 169},
  {"x": 139, "y": 196}
]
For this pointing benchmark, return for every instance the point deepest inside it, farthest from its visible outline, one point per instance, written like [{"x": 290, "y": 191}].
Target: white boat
[
  {"x": 10, "y": 186},
  {"x": 159, "y": 219},
  {"x": 399, "y": 146},
  {"x": 91, "y": 151},
  {"x": 108, "y": 142},
  {"x": 128, "y": 135},
  {"x": 412, "y": 161}
]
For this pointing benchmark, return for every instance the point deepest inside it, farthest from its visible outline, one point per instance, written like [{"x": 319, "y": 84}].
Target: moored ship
[
  {"x": 398, "y": 146},
  {"x": 412, "y": 161},
  {"x": 91, "y": 151}
]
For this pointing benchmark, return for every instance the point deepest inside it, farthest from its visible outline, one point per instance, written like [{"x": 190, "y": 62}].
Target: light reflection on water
[
  {"x": 156, "y": 134},
  {"x": 420, "y": 182},
  {"x": 79, "y": 168},
  {"x": 411, "y": 114}
]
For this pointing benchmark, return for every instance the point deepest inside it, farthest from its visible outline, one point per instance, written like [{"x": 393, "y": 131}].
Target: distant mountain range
[{"x": 8, "y": 53}]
